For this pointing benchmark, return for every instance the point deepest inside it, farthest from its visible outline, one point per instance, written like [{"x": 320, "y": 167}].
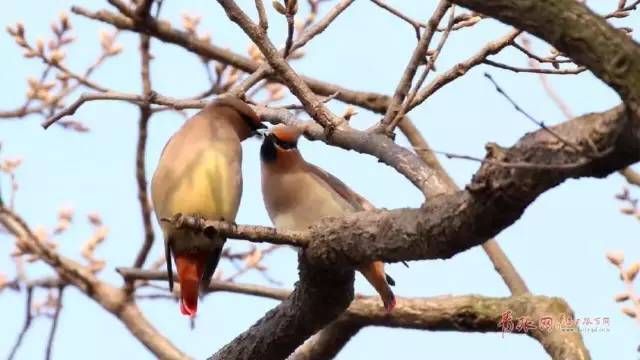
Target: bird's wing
[{"x": 354, "y": 199}]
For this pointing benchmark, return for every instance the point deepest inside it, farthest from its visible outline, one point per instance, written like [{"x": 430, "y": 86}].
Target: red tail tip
[
  {"x": 390, "y": 305},
  {"x": 190, "y": 268},
  {"x": 188, "y": 310}
]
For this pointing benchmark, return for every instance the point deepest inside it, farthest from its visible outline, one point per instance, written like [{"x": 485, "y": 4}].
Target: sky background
[{"x": 558, "y": 245}]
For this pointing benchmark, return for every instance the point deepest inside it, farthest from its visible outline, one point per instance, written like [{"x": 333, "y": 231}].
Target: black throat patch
[{"x": 268, "y": 151}]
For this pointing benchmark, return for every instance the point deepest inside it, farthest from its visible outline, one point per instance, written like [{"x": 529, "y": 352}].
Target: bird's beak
[{"x": 260, "y": 132}]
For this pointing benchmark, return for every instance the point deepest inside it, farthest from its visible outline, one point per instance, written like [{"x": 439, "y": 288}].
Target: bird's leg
[
  {"x": 177, "y": 221},
  {"x": 233, "y": 224},
  {"x": 199, "y": 222},
  {"x": 195, "y": 222}
]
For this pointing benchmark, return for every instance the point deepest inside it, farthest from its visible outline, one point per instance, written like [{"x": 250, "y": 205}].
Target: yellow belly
[{"x": 210, "y": 189}]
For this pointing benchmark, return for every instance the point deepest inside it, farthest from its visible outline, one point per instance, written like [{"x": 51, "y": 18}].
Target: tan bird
[
  {"x": 199, "y": 174},
  {"x": 297, "y": 194}
]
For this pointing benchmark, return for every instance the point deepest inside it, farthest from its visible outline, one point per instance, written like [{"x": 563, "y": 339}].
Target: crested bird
[
  {"x": 199, "y": 175},
  {"x": 297, "y": 194}
]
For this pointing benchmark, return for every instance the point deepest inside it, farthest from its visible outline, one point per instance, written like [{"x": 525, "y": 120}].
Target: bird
[
  {"x": 199, "y": 175},
  {"x": 297, "y": 194}
]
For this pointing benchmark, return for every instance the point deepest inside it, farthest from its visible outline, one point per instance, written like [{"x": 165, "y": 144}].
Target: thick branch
[
  {"x": 468, "y": 313},
  {"x": 498, "y": 258},
  {"x": 496, "y": 198},
  {"x": 481, "y": 314},
  {"x": 328, "y": 342},
  {"x": 307, "y": 310}
]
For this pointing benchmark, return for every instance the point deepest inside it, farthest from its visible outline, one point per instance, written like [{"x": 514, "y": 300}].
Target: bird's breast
[
  {"x": 210, "y": 186},
  {"x": 296, "y": 200}
]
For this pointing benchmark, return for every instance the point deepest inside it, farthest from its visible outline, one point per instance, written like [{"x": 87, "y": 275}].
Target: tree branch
[
  {"x": 497, "y": 196},
  {"x": 312, "y": 103},
  {"x": 469, "y": 313},
  {"x": 418, "y": 56},
  {"x": 498, "y": 258},
  {"x": 54, "y": 323},
  {"x": 110, "y": 298},
  {"x": 578, "y": 32},
  {"x": 143, "y": 123}
]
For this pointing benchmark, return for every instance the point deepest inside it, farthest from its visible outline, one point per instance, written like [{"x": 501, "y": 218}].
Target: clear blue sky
[{"x": 558, "y": 245}]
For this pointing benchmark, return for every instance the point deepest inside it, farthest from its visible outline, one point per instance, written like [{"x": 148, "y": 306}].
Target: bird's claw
[
  {"x": 232, "y": 223},
  {"x": 199, "y": 222},
  {"x": 195, "y": 222},
  {"x": 177, "y": 220}
]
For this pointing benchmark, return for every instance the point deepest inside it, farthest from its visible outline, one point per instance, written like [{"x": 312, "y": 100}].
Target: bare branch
[
  {"x": 409, "y": 72},
  {"x": 141, "y": 177},
  {"x": 586, "y": 38},
  {"x": 215, "y": 286},
  {"x": 262, "y": 15},
  {"x": 265, "y": 70},
  {"x": 27, "y": 323},
  {"x": 416, "y": 24},
  {"x": 631, "y": 176},
  {"x": 575, "y": 71},
  {"x": 110, "y": 298},
  {"x": 314, "y": 107},
  {"x": 54, "y": 323},
  {"x": 462, "y": 68}
]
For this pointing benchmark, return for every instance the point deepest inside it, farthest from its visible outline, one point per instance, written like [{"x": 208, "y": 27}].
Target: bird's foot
[
  {"x": 232, "y": 223},
  {"x": 195, "y": 222},
  {"x": 177, "y": 221},
  {"x": 390, "y": 305}
]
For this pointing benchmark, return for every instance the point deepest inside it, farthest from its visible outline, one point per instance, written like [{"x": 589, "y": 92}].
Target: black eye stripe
[{"x": 284, "y": 144}]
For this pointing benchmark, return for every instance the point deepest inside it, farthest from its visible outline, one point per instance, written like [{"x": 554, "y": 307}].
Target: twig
[
  {"x": 519, "y": 165},
  {"x": 525, "y": 49},
  {"x": 291, "y": 9},
  {"x": 54, "y": 324},
  {"x": 404, "y": 85},
  {"x": 123, "y": 8},
  {"x": 531, "y": 118},
  {"x": 144, "y": 8},
  {"x": 112, "y": 299},
  {"x": 27, "y": 323},
  {"x": 215, "y": 286},
  {"x": 462, "y": 68},
  {"x": 141, "y": 178},
  {"x": 262, "y": 15},
  {"x": 430, "y": 65},
  {"x": 575, "y": 71},
  {"x": 298, "y": 87},
  {"x": 265, "y": 70},
  {"x": 253, "y": 233},
  {"x": 416, "y": 24},
  {"x": 534, "y": 63},
  {"x": 631, "y": 176}
]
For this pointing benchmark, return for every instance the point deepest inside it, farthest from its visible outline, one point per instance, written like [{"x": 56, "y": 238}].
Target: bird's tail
[
  {"x": 374, "y": 273},
  {"x": 190, "y": 269}
]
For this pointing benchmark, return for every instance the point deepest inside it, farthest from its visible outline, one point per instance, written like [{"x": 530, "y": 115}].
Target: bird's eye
[{"x": 286, "y": 145}]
